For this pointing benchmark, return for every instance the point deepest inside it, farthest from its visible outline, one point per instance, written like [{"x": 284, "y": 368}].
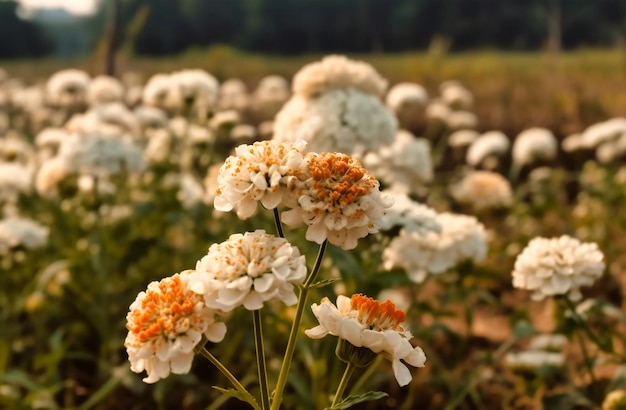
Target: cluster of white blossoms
[
  {"x": 67, "y": 88},
  {"x": 366, "y": 323},
  {"x": 409, "y": 215},
  {"x": 337, "y": 106},
  {"x": 17, "y": 231},
  {"x": 336, "y": 198},
  {"x": 534, "y": 144},
  {"x": 165, "y": 324},
  {"x": 491, "y": 144},
  {"x": 257, "y": 173},
  {"x": 248, "y": 270},
  {"x": 557, "y": 266},
  {"x": 338, "y": 72},
  {"x": 483, "y": 190},
  {"x": 461, "y": 238},
  {"x": 193, "y": 89},
  {"x": 406, "y": 164}
]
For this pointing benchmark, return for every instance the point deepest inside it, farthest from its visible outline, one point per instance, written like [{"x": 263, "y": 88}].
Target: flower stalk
[
  {"x": 347, "y": 374},
  {"x": 260, "y": 359},
  {"x": 295, "y": 328}
]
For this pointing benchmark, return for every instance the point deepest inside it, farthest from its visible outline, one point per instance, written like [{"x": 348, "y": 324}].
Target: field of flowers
[{"x": 321, "y": 238}]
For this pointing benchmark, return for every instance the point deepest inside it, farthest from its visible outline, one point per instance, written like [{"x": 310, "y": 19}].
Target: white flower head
[
  {"x": 248, "y": 270},
  {"x": 483, "y": 190},
  {"x": 409, "y": 214},
  {"x": 67, "y": 87},
  {"x": 338, "y": 72},
  {"x": 165, "y": 323},
  {"x": 17, "y": 231},
  {"x": 557, "y": 266},
  {"x": 406, "y": 164},
  {"x": 533, "y": 360},
  {"x": 105, "y": 89},
  {"x": 341, "y": 120},
  {"x": 461, "y": 238},
  {"x": 489, "y": 144},
  {"x": 534, "y": 144},
  {"x": 257, "y": 173},
  {"x": 365, "y": 322},
  {"x": 336, "y": 198}
]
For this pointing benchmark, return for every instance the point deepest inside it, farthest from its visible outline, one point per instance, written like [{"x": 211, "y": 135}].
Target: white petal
[{"x": 402, "y": 373}]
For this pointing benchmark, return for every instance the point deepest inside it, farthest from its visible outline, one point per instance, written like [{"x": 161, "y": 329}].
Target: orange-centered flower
[
  {"x": 165, "y": 323},
  {"x": 366, "y": 323},
  {"x": 336, "y": 197}
]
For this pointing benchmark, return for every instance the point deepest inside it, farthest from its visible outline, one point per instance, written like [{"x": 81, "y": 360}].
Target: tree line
[{"x": 162, "y": 27}]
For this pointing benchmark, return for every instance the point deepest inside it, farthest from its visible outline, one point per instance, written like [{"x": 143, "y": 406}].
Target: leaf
[
  {"x": 238, "y": 395},
  {"x": 358, "y": 398},
  {"x": 324, "y": 282}
]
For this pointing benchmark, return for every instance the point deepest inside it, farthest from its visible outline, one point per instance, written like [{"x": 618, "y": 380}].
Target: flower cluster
[
  {"x": 557, "y": 266},
  {"x": 256, "y": 173},
  {"x": 365, "y": 322},
  {"x": 338, "y": 200},
  {"x": 461, "y": 238},
  {"x": 165, "y": 323},
  {"x": 249, "y": 269}
]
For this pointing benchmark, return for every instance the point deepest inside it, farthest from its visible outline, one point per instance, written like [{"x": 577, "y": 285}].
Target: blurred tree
[{"x": 20, "y": 38}]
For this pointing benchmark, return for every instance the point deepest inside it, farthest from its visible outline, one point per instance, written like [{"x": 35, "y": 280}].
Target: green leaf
[
  {"x": 358, "y": 398},
  {"x": 238, "y": 395},
  {"x": 324, "y": 282}
]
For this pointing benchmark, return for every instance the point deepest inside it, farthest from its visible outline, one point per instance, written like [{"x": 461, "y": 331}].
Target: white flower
[
  {"x": 336, "y": 198},
  {"x": 14, "y": 179},
  {"x": 455, "y": 95},
  {"x": 461, "y": 238},
  {"x": 269, "y": 97},
  {"x": 50, "y": 174},
  {"x": 408, "y": 214},
  {"x": 190, "y": 192},
  {"x": 165, "y": 323},
  {"x": 489, "y": 144},
  {"x": 338, "y": 72},
  {"x": 483, "y": 190},
  {"x": 548, "y": 342},
  {"x": 97, "y": 155},
  {"x": 406, "y": 164},
  {"x": 105, "y": 89},
  {"x": 573, "y": 143},
  {"x": 604, "y": 131},
  {"x": 17, "y": 231},
  {"x": 534, "y": 144},
  {"x": 248, "y": 270},
  {"x": 67, "y": 87},
  {"x": 557, "y": 266},
  {"x": 256, "y": 173},
  {"x": 339, "y": 120},
  {"x": 156, "y": 91},
  {"x": 233, "y": 95},
  {"x": 462, "y": 138},
  {"x": 458, "y": 120},
  {"x": 404, "y": 95},
  {"x": 365, "y": 322},
  {"x": 534, "y": 359},
  {"x": 150, "y": 116}
]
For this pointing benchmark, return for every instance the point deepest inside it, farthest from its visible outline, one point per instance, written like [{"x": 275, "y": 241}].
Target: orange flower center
[
  {"x": 339, "y": 179},
  {"x": 166, "y": 312},
  {"x": 377, "y": 315}
]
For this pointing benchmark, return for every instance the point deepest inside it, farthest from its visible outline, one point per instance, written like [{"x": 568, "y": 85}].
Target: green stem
[
  {"x": 583, "y": 325},
  {"x": 279, "y": 226},
  {"x": 295, "y": 328},
  {"x": 260, "y": 359},
  {"x": 367, "y": 374},
  {"x": 587, "y": 359},
  {"x": 343, "y": 384},
  {"x": 233, "y": 380}
]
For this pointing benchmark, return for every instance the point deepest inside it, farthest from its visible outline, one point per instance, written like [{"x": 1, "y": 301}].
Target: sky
[{"x": 81, "y": 7}]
